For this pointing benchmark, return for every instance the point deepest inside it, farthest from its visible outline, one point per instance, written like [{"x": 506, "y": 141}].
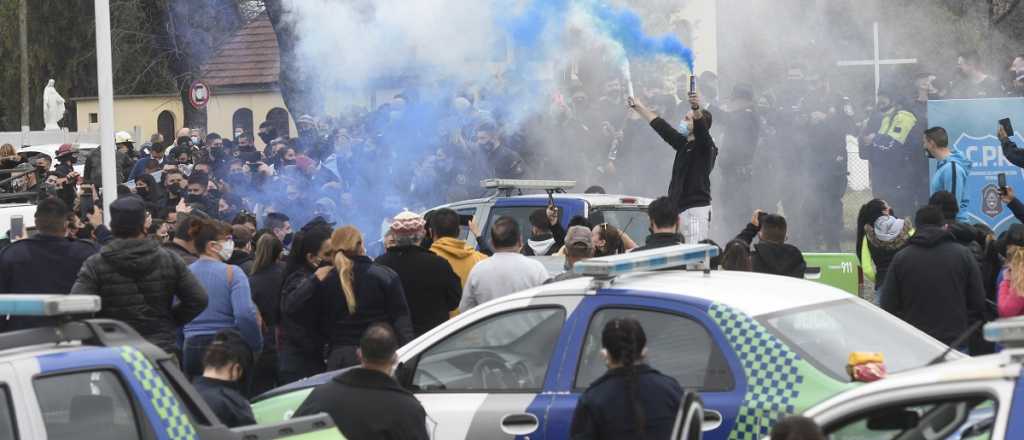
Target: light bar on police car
[
  {"x": 662, "y": 258},
  {"x": 1009, "y": 332},
  {"x": 528, "y": 184},
  {"x": 48, "y": 305}
]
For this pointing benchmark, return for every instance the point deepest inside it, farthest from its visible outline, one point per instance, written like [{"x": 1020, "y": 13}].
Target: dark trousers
[
  {"x": 192, "y": 354},
  {"x": 342, "y": 357},
  {"x": 295, "y": 365}
]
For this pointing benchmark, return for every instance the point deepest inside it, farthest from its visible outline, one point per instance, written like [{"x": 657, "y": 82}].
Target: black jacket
[
  {"x": 1013, "y": 154},
  {"x": 935, "y": 285},
  {"x": 226, "y": 402},
  {"x": 41, "y": 264},
  {"x": 139, "y": 282},
  {"x": 691, "y": 171},
  {"x": 184, "y": 254},
  {"x": 368, "y": 405},
  {"x": 432, "y": 289},
  {"x": 298, "y": 329},
  {"x": 604, "y": 409},
  {"x": 773, "y": 258},
  {"x": 242, "y": 259},
  {"x": 266, "y": 292},
  {"x": 379, "y": 298},
  {"x": 660, "y": 240}
]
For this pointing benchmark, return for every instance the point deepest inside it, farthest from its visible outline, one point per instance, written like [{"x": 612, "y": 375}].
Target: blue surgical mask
[{"x": 684, "y": 129}]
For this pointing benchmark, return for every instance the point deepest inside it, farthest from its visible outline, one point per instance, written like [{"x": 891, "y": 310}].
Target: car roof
[
  {"x": 994, "y": 366},
  {"x": 33, "y": 351},
  {"x": 752, "y": 293},
  {"x": 593, "y": 199},
  {"x": 51, "y": 149}
]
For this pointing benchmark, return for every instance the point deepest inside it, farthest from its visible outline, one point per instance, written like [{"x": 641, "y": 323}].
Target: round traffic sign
[{"x": 199, "y": 95}]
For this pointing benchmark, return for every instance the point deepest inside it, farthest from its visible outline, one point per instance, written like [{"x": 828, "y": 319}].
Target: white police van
[
  {"x": 513, "y": 198},
  {"x": 755, "y": 346},
  {"x": 975, "y": 398}
]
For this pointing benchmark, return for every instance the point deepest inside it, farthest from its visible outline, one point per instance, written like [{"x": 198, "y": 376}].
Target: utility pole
[
  {"x": 23, "y": 44},
  {"x": 105, "y": 86}
]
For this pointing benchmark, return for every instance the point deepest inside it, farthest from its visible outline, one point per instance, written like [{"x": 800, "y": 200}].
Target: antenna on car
[{"x": 506, "y": 187}]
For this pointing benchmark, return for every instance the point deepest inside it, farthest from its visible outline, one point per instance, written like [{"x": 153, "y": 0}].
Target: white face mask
[{"x": 227, "y": 247}]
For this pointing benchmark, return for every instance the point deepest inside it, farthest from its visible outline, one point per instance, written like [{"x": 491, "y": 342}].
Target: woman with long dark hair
[
  {"x": 300, "y": 344},
  {"x": 632, "y": 400},
  {"x": 266, "y": 281},
  {"x": 880, "y": 236}
]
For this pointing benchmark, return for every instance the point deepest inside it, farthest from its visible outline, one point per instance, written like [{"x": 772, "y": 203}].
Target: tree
[
  {"x": 191, "y": 33},
  {"x": 295, "y": 80}
]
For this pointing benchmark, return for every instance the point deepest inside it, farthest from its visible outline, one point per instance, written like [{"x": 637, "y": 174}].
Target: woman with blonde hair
[
  {"x": 356, "y": 293},
  {"x": 1011, "y": 289}
]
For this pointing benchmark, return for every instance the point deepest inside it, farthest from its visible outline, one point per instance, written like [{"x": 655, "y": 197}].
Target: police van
[
  {"x": 755, "y": 346},
  {"x": 519, "y": 198},
  {"x": 975, "y": 398},
  {"x": 86, "y": 379}
]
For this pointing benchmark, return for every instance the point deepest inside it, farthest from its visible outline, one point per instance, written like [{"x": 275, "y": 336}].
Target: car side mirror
[{"x": 894, "y": 420}]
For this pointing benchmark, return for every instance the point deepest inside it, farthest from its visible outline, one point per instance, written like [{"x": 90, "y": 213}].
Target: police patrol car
[
  {"x": 976, "y": 398},
  {"x": 98, "y": 379},
  {"x": 755, "y": 347},
  {"x": 512, "y": 198}
]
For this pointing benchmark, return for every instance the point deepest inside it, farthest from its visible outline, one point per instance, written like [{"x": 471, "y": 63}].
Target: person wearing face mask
[
  {"x": 151, "y": 193},
  {"x": 300, "y": 346},
  {"x": 267, "y": 132},
  {"x": 230, "y": 299},
  {"x": 690, "y": 187}
]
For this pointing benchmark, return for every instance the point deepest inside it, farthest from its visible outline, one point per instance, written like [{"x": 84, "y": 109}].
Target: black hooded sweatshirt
[
  {"x": 935, "y": 285},
  {"x": 773, "y": 258}
]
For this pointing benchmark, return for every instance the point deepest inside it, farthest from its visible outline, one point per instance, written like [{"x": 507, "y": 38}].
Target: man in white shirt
[{"x": 506, "y": 272}]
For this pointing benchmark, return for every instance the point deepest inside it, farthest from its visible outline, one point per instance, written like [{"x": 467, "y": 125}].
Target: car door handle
[
  {"x": 519, "y": 424},
  {"x": 712, "y": 420}
]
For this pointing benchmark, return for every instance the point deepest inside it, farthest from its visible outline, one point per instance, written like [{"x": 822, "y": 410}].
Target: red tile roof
[{"x": 250, "y": 57}]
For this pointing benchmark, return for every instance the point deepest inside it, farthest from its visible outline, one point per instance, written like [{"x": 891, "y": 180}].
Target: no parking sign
[{"x": 199, "y": 95}]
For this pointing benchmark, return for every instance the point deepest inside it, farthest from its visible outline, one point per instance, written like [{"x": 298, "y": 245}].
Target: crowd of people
[{"x": 233, "y": 258}]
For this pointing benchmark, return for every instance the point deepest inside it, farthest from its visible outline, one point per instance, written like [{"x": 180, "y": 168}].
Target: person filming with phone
[{"x": 690, "y": 187}]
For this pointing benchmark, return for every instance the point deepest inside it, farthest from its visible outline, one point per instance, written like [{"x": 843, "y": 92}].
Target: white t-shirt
[{"x": 503, "y": 274}]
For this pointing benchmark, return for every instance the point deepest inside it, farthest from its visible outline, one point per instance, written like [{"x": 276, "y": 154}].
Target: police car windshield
[
  {"x": 632, "y": 220},
  {"x": 826, "y": 334}
]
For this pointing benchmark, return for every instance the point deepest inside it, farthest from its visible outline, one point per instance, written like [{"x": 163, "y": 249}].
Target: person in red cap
[{"x": 432, "y": 289}]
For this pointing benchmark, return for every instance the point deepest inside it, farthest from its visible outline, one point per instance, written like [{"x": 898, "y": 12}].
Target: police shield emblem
[{"x": 991, "y": 204}]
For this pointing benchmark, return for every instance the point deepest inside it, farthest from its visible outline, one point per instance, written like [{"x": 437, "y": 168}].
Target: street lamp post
[{"x": 105, "y": 85}]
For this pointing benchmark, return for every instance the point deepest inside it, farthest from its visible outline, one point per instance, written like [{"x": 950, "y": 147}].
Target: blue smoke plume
[
  {"x": 432, "y": 51},
  {"x": 626, "y": 27}
]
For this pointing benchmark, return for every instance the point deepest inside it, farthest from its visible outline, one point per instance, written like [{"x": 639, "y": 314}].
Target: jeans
[
  {"x": 342, "y": 357},
  {"x": 695, "y": 224}
]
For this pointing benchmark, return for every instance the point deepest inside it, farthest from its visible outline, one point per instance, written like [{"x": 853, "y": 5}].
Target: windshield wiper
[{"x": 956, "y": 343}]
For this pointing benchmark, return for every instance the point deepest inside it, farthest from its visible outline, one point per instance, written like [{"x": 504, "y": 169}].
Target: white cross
[{"x": 877, "y": 62}]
